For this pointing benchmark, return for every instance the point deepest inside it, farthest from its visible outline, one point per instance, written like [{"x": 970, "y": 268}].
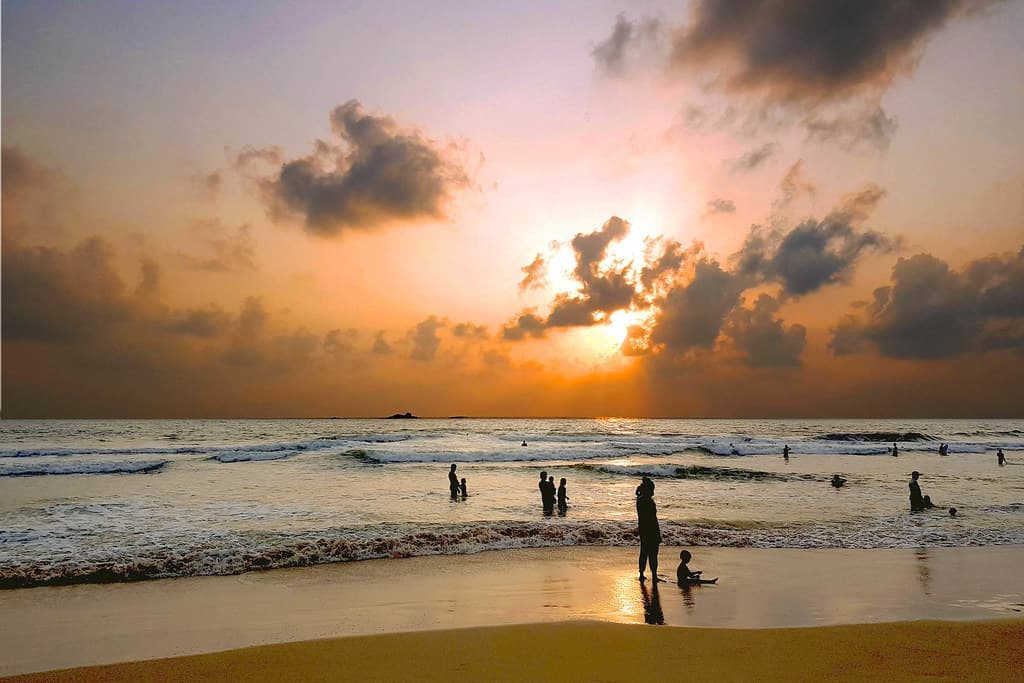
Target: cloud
[
  {"x": 719, "y": 205},
  {"x": 534, "y": 274},
  {"x": 754, "y": 158},
  {"x": 208, "y": 184},
  {"x": 628, "y": 39},
  {"x": 806, "y": 52},
  {"x": 470, "y": 331},
  {"x": 601, "y": 290},
  {"x": 380, "y": 344},
  {"x": 691, "y": 314},
  {"x": 21, "y": 173},
  {"x": 425, "y": 341},
  {"x": 381, "y": 174},
  {"x": 340, "y": 343},
  {"x": 763, "y": 338},
  {"x": 814, "y": 253},
  {"x": 227, "y": 249},
  {"x": 931, "y": 311},
  {"x": 871, "y": 129}
]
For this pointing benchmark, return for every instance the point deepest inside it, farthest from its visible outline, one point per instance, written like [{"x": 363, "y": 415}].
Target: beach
[{"x": 785, "y": 610}]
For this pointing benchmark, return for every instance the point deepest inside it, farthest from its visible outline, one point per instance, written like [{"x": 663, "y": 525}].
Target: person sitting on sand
[
  {"x": 562, "y": 497},
  {"x": 916, "y": 501},
  {"x": 648, "y": 528},
  {"x": 453, "y": 482},
  {"x": 683, "y": 573},
  {"x": 837, "y": 481},
  {"x": 462, "y": 487},
  {"x": 1000, "y": 458}
]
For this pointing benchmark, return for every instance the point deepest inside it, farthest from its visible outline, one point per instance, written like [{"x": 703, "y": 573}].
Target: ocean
[{"x": 109, "y": 500}]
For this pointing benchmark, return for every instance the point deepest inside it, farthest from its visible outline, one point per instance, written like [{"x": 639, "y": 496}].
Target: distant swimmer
[
  {"x": 685, "y": 577},
  {"x": 952, "y": 512},
  {"x": 916, "y": 500},
  {"x": 895, "y": 450},
  {"x": 453, "y": 482},
  {"x": 785, "y": 452},
  {"x": 1000, "y": 458},
  {"x": 524, "y": 442},
  {"x": 734, "y": 451},
  {"x": 943, "y": 449},
  {"x": 837, "y": 481}
]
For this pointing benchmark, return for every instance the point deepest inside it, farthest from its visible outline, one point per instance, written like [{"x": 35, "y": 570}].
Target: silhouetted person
[
  {"x": 453, "y": 482},
  {"x": 837, "y": 481},
  {"x": 563, "y": 499},
  {"x": 1000, "y": 458},
  {"x": 916, "y": 500},
  {"x": 926, "y": 503},
  {"x": 462, "y": 488},
  {"x": 683, "y": 573},
  {"x": 895, "y": 450},
  {"x": 652, "y": 605},
  {"x": 542, "y": 485},
  {"x": 952, "y": 512},
  {"x": 649, "y": 529},
  {"x": 524, "y": 442},
  {"x": 547, "y": 494},
  {"x": 785, "y": 452},
  {"x": 943, "y": 449}
]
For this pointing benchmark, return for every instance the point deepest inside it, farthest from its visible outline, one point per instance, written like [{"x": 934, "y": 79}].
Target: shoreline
[
  {"x": 96, "y": 624},
  {"x": 587, "y": 650}
]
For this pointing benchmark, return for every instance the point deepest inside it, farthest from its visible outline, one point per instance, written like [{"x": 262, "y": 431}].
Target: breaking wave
[
  {"x": 43, "y": 469},
  {"x": 693, "y": 472}
]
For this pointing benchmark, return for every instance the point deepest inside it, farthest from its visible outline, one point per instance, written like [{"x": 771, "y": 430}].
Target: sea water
[{"x": 86, "y": 501}]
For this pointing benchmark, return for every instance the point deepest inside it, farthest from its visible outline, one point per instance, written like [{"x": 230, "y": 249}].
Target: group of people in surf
[
  {"x": 455, "y": 487},
  {"x": 549, "y": 494}
]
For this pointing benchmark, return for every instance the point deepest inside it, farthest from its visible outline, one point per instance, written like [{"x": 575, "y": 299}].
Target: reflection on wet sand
[{"x": 924, "y": 573}]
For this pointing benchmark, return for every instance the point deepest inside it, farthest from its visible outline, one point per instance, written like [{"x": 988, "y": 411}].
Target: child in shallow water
[
  {"x": 562, "y": 497},
  {"x": 462, "y": 487}
]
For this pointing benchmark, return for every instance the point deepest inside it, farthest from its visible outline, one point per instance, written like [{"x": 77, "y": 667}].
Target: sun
[{"x": 606, "y": 338}]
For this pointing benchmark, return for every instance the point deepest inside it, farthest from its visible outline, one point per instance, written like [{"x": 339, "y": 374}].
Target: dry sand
[{"x": 989, "y": 651}]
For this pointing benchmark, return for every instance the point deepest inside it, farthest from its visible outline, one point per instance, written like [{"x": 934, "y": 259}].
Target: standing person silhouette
[
  {"x": 895, "y": 450},
  {"x": 453, "y": 482},
  {"x": 1000, "y": 458},
  {"x": 542, "y": 485},
  {"x": 649, "y": 530},
  {"x": 785, "y": 452}
]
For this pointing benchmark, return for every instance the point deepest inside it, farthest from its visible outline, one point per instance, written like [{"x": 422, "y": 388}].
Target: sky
[{"x": 654, "y": 209}]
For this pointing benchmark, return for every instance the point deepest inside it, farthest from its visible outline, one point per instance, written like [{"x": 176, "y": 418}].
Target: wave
[
  {"x": 887, "y": 437},
  {"x": 251, "y": 456},
  {"x": 238, "y": 553},
  {"x": 693, "y": 472},
  {"x": 44, "y": 469}
]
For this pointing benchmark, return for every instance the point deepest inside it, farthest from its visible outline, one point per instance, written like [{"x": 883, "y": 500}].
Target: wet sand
[{"x": 59, "y": 627}]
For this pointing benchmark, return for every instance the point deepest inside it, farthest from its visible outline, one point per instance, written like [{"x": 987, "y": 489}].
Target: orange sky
[{"x": 571, "y": 209}]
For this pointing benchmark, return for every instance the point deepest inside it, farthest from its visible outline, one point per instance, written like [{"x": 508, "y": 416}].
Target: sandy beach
[{"x": 560, "y": 593}]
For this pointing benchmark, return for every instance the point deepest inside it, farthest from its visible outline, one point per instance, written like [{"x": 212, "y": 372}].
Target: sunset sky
[{"x": 694, "y": 209}]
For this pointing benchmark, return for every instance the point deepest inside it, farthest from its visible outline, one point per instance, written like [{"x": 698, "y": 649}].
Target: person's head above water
[
  {"x": 952, "y": 512},
  {"x": 685, "y": 555}
]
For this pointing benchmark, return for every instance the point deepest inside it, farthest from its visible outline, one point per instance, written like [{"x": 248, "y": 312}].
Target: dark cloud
[
  {"x": 208, "y": 322},
  {"x": 932, "y": 311},
  {"x": 380, "y": 344},
  {"x": 21, "y": 173},
  {"x": 340, "y": 343},
  {"x": 814, "y": 253},
  {"x": 763, "y": 338},
  {"x": 526, "y": 324},
  {"x": 754, "y": 158},
  {"x": 806, "y": 52},
  {"x": 470, "y": 331},
  {"x": 425, "y": 341},
  {"x": 719, "y": 205},
  {"x": 534, "y": 274},
  {"x": 691, "y": 314},
  {"x": 794, "y": 185},
  {"x": 872, "y": 129},
  {"x": 601, "y": 290},
  {"x": 381, "y": 174},
  {"x": 628, "y": 38},
  {"x": 662, "y": 263},
  {"x": 254, "y": 156}
]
